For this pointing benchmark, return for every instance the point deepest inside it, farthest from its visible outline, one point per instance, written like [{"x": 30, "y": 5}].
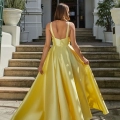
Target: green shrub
[
  {"x": 117, "y": 3},
  {"x": 18, "y": 4}
]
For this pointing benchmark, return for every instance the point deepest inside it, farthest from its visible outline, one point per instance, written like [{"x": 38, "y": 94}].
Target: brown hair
[{"x": 61, "y": 12}]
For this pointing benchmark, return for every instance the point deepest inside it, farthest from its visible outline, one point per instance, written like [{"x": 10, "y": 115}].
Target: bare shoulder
[
  {"x": 48, "y": 26},
  {"x": 72, "y": 26}
]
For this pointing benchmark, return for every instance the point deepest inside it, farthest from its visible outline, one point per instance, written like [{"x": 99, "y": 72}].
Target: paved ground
[{"x": 7, "y": 108}]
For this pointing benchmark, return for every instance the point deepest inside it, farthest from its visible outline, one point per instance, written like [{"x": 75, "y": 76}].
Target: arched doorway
[{"x": 77, "y": 11}]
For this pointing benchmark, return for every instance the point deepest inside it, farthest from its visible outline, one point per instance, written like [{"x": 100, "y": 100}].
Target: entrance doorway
[{"x": 77, "y": 11}]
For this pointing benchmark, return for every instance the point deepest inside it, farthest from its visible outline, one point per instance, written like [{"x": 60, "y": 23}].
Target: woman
[{"x": 65, "y": 88}]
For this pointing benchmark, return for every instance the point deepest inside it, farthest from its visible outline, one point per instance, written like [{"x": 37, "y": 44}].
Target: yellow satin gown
[{"x": 66, "y": 91}]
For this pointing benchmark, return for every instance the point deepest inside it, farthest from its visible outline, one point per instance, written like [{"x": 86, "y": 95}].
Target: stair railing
[{"x": 1, "y": 21}]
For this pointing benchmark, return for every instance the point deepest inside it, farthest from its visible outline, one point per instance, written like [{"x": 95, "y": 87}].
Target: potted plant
[
  {"x": 105, "y": 19},
  {"x": 12, "y": 11},
  {"x": 115, "y": 12}
]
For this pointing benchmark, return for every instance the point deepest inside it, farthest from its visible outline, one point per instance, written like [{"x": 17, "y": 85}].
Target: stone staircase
[
  {"x": 23, "y": 68},
  {"x": 82, "y": 35}
]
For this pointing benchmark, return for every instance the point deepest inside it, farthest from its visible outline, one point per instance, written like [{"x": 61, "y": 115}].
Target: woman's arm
[
  {"x": 46, "y": 47},
  {"x": 74, "y": 43}
]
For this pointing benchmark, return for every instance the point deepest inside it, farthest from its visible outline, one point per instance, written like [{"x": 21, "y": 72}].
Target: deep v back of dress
[{"x": 57, "y": 41}]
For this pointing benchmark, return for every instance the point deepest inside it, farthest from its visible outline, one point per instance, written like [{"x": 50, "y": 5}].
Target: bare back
[{"x": 59, "y": 29}]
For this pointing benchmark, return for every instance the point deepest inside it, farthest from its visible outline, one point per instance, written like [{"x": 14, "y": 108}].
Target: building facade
[
  {"x": 81, "y": 11},
  {"x": 40, "y": 12}
]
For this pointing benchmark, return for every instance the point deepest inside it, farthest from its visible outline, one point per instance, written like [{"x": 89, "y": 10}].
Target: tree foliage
[{"x": 104, "y": 14}]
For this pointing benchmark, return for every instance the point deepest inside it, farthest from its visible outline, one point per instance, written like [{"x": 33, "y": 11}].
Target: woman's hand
[
  {"x": 40, "y": 69},
  {"x": 86, "y": 61}
]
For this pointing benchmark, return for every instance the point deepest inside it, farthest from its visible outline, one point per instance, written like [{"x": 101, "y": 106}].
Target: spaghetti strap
[
  {"x": 51, "y": 30},
  {"x": 67, "y": 30}
]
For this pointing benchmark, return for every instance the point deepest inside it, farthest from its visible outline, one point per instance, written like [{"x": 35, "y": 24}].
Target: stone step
[
  {"x": 21, "y": 71},
  {"x": 13, "y": 93},
  {"x": 83, "y": 29},
  {"x": 78, "y": 29},
  {"x": 33, "y": 71},
  {"x": 29, "y": 48},
  {"x": 101, "y": 55},
  {"x": 26, "y": 55},
  {"x": 88, "y": 55},
  {"x": 36, "y": 62},
  {"x": 42, "y": 41},
  {"x": 39, "y": 48},
  {"x": 24, "y": 62},
  {"x": 78, "y": 33},
  {"x": 106, "y": 72},
  {"x": 16, "y": 93},
  {"x": 11, "y": 81},
  {"x": 105, "y": 63},
  {"x": 111, "y": 93},
  {"x": 108, "y": 82},
  {"x": 80, "y": 38}
]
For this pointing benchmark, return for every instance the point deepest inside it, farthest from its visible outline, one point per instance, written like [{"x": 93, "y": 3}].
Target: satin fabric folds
[{"x": 66, "y": 91}]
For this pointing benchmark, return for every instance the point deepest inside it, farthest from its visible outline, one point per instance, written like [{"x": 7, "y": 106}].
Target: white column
[
  {"x": 115, "y": 13},
  {"x": 95, "y": 17},
  {"x": 14, "y": 31},
  {"x": 89, "y": 7},
  {"x": 46, "y": 11},
  {"x": 116, "y": 41},
  {"x": 58, "y": 1},
  {"x": 97, "y": 30},
  {"x": 33, "y": 20},
  {"x": 96, "y": 3},
  {"x": 78, "y": 14},
  {"x": 6, "y": 51}
]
